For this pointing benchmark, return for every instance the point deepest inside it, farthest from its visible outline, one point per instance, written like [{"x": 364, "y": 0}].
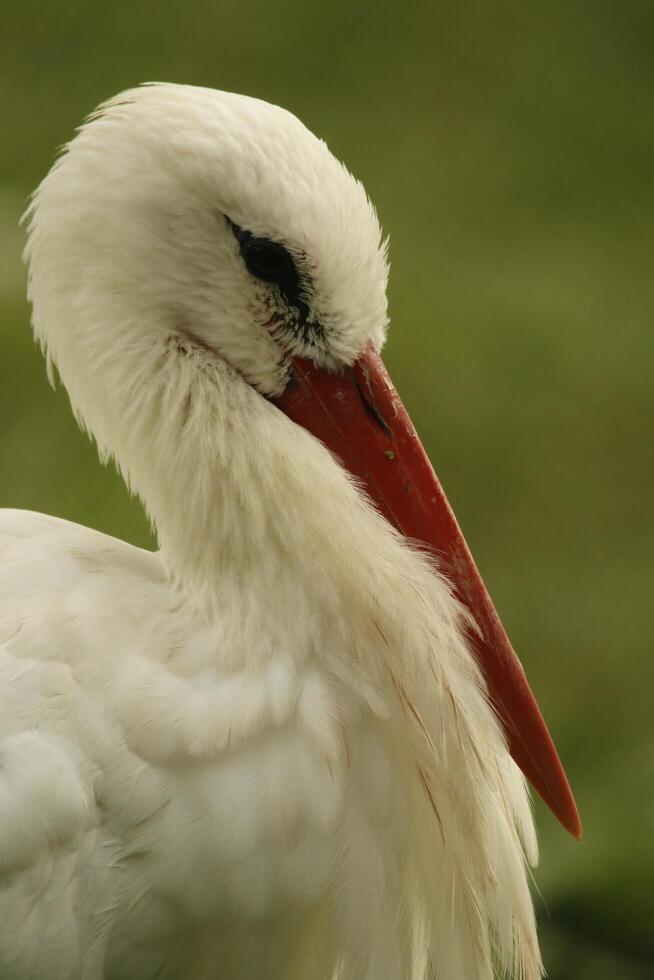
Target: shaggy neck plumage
[{"x": 241, "y": 498}]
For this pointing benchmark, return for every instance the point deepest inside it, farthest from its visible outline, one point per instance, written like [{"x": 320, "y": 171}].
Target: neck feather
[{"x": 254, "y": 517}]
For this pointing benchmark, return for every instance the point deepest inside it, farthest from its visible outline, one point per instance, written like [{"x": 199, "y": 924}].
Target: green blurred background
[{"x": 508, "y": 147}]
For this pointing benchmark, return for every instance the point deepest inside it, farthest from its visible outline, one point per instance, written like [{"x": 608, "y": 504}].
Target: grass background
[{"x": 508, "y": 147}]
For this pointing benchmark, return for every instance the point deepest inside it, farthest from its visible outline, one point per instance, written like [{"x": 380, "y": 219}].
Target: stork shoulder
[{"x": 207, "y": 787}]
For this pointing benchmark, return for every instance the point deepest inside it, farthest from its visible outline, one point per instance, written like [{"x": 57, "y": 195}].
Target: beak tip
[
  {"x": 568, "y": 817},
  {"x": 554, "y": 789},
  {"x": 533, "y": 750},
  {"x": 573, "y": 825}
]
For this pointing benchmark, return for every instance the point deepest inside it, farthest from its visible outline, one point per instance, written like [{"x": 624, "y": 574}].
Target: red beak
[{"x": 358, "y": 415}]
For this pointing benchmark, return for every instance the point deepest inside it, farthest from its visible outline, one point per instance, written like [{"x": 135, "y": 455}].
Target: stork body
[
  {"x": 264, "y": 750},
  {"x": 182, "y": 800}
]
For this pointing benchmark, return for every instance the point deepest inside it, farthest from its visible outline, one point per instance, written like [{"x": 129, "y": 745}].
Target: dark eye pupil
[{"x": 269, "y": 261}]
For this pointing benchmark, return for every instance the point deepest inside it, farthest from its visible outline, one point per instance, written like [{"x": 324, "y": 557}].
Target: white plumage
[{"x": 264, "y": 750}]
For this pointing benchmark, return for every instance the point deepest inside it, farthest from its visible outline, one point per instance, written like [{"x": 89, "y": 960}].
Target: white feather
[{"x": 264, "y": 750}]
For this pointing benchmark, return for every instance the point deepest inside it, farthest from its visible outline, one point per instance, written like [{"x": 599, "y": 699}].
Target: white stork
[{"x": 268, "y": 749}]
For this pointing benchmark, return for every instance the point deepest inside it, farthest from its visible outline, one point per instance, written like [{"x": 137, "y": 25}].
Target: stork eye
[{"x": 268, "y": 261}]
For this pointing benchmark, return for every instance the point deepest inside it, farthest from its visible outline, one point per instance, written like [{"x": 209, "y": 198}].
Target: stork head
[
  {"x": 190, "y": 242},
  {"x": 215, "y": 218}
]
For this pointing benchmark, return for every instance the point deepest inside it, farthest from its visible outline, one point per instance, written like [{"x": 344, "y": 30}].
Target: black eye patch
[{"x": 271, "y": 262}]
